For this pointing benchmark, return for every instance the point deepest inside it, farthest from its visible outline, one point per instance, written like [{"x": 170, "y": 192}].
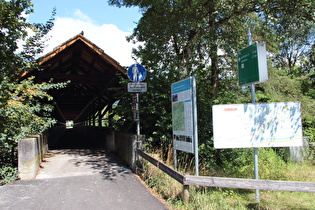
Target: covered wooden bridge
[{"x": 94, "y": 79}]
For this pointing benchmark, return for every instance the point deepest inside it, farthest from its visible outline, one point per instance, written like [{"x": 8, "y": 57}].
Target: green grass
[{"x": 222, "y": 198}]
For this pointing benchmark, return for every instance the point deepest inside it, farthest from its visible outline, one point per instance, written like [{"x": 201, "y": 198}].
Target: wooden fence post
[{"x": 185, "y": 195}]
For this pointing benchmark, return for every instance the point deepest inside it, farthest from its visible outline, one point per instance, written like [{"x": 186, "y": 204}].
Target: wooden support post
[
  {"x": 185, "y": 194},
  {"x": 99, "y": 113},
  {"x": 93, "y": 120},
  {"x": 100, "y": 118},
  {"x": 89, "y": 117}
]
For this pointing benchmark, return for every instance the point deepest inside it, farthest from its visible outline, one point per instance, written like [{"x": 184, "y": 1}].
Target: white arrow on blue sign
[{"x": 136, "y": 73}]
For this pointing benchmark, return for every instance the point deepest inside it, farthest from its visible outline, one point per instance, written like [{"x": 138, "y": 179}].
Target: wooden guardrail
[
  {"x": 166, "y": 169},
  {"x": 250, "y": 184},
  {"x": 224, "y": 182}
]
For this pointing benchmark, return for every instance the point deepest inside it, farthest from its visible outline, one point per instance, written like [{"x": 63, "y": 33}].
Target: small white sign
[{"x": 137, "y": 87}]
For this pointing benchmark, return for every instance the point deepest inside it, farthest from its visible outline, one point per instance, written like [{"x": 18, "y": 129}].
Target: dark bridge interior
[
  {"x": 92, "y": 75},
  {"x": 93, "y": 81}
]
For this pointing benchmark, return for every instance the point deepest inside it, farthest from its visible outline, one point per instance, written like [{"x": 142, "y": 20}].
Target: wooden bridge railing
[{"x": 224, "y": 182}]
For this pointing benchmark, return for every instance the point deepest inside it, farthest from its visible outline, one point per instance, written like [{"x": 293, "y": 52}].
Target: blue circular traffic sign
[{"x": 136, "y": 73}]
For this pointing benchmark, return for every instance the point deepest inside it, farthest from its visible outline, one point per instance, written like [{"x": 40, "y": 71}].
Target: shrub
[{"x": 8, "y": 174}]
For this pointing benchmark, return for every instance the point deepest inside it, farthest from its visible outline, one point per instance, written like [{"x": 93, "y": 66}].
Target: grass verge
[{"x": 222, "y": 198}]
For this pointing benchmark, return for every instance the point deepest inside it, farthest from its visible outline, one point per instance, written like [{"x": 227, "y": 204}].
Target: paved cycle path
[{"x": 80, "y": 179}]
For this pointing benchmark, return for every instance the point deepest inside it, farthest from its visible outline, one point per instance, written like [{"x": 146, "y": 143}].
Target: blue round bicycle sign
[{"x": 136, "y": 73}]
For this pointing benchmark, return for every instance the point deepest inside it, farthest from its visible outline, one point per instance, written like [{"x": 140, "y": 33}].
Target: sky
[{"x": 104, "y": 25}]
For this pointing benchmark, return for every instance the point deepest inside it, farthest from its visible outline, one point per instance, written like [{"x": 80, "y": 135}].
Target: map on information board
[
  {"x": 179, "y": 116},
  {"x": 257, "y": 125}
]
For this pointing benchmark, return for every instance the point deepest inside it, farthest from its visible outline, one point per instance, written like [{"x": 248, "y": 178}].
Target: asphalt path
[{"x": 80, "y": 179}]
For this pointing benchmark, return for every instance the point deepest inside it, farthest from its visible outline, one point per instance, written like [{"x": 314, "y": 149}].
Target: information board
[
  {"x": 257, "y": 125},
  {"x": 183, "y": 115},
  {"x": 252, "y": 64}
]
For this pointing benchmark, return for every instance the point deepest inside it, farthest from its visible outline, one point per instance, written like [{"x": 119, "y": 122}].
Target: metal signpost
[
  {"x": 137, "y": 73},
  {"x": 252, "y": 69}
]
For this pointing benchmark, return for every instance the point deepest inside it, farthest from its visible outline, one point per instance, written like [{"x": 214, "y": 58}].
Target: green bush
[
  {"x": 8, "y": 174},
  {"x": 239, "y": 163},
  {"x": 24, "y": 105}
]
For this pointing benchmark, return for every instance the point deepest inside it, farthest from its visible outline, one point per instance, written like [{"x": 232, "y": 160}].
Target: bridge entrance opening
[{"x": 80, "y": 107}]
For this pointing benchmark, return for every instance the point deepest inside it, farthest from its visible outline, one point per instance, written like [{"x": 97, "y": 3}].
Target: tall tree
[
  {"x": 192, "y": 33},
  {"x": 23, "y": 110},
  {"x": 186, "y": 37}
]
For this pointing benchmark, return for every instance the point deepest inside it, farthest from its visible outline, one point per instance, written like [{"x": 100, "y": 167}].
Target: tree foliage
[
  {"x": 23, "y": 107},
  {"x": 180, "y": 38}
]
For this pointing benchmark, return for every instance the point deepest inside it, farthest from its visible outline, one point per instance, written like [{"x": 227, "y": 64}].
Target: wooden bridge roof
[{"x": 92, "y": 74}]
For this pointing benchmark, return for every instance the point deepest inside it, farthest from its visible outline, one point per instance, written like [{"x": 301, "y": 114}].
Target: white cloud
[
  {"x": 81, "y": 16},
  {"x": 107, "y": 36}
]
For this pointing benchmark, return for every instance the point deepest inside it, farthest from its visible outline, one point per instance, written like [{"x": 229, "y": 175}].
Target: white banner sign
[{"x": 257, "y": 125}]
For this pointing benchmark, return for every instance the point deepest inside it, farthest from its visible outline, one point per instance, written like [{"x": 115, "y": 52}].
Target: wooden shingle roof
[{"x": 92, "y": 73}]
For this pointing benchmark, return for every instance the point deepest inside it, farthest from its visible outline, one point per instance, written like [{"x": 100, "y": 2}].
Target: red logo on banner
[{"x": 230, "y": 109}]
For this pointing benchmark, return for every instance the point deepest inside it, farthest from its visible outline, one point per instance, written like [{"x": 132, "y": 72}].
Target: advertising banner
[{"x": 257, "y": 125}]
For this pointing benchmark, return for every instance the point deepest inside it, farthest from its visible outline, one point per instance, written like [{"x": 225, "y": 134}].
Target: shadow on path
[
  {"x": 80, "y": 179},
  {"x": 79, "y": 151},
  {"x": 78, "y": 162}
]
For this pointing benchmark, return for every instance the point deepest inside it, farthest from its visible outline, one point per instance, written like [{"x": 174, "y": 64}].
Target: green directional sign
[{"x": 252, "y": 64}]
